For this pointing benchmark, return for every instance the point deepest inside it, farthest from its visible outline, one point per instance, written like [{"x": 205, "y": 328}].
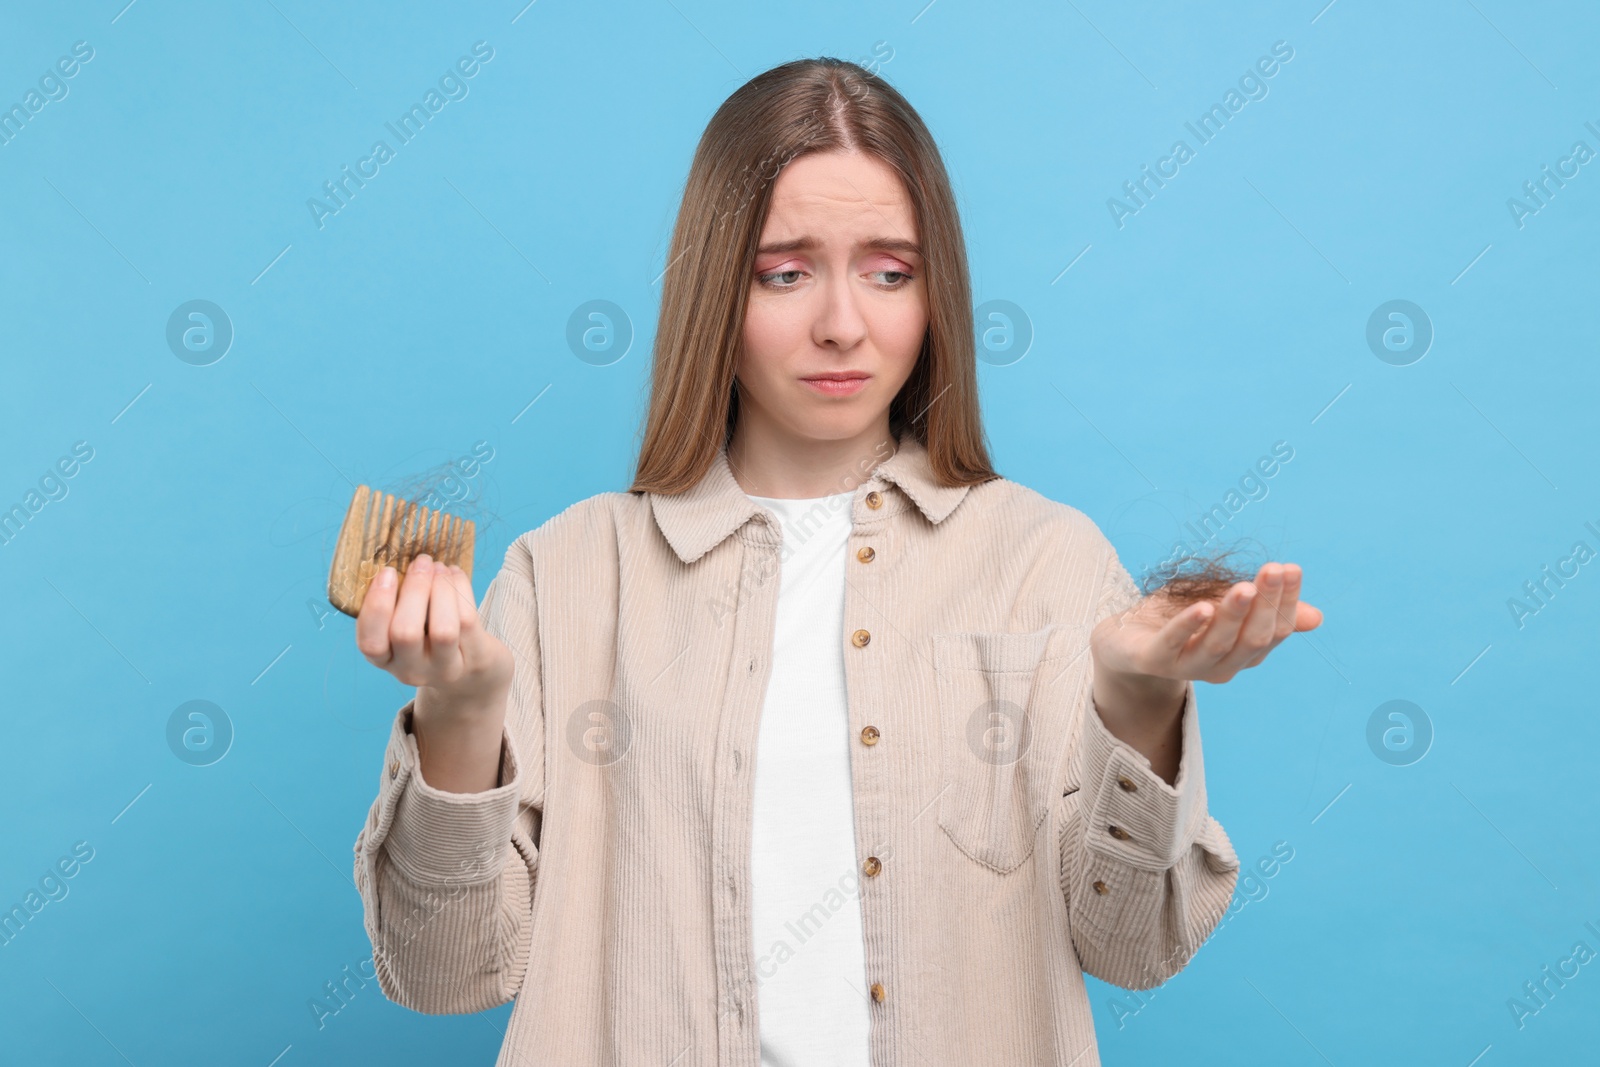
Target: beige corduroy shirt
[{"x": 1007, "y": 841}]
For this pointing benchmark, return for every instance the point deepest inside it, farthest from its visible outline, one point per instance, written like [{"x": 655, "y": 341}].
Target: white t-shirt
[{"x": 810, "y": 961}]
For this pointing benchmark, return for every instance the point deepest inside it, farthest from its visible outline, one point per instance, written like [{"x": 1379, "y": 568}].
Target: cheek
[
  {"x": 901, "y": 332},
  {"x": 760, "y": 331},
  {"x": 765, "y": 341}
]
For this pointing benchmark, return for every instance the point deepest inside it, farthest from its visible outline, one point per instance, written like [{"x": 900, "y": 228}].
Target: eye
[
  {"x": 766, "y": 279},
  {"x": 898, "y": 278}
]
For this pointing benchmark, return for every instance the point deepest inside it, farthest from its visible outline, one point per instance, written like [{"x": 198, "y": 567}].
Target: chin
[{"x": 833, "y": 429}]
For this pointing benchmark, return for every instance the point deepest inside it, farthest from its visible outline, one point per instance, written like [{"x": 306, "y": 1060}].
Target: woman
[{"x": 790, "y": 754}]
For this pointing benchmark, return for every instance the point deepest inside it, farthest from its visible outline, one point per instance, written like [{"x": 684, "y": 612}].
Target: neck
[{"x": 769, "y": 462}]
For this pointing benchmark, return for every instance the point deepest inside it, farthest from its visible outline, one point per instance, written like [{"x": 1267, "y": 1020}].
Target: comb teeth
[{"x": 382, "y": 530}]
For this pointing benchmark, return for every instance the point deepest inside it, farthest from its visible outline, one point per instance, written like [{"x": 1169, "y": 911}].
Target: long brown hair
[{"x": 801, "y": 107}]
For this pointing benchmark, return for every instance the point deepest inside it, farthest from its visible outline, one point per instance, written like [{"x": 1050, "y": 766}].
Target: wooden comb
[{"x": 381, "y": 530}]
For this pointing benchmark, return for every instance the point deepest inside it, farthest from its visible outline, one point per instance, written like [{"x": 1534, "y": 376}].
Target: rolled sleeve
[
  {"x": 436, "y": 837},
  {"x": 1144, "y": 898},
  {"x": 447, "y": 879}
]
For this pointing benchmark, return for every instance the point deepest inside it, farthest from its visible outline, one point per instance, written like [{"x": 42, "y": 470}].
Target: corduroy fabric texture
[{"x": 605, "y": 883}]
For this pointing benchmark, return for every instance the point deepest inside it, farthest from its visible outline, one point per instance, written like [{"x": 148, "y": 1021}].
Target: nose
[{"x": 839, "y": 319}]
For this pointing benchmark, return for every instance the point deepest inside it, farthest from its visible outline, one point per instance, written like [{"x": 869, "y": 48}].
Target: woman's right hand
[{"x": 425, "y": 631}]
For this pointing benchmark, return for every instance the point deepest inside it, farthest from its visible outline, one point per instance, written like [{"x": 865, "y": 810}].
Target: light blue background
[{"x": 1227, "y": 315}]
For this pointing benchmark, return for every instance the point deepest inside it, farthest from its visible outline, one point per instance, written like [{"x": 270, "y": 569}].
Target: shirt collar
[{"x": 701, "y": 517}]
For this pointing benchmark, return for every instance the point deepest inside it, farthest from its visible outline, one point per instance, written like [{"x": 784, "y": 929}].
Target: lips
[{"x": 838, "y": 383}]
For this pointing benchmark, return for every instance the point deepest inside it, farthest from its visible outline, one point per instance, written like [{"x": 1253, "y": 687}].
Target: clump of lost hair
[
  {"x": 1189, "y": 579},
  {"x": 443, "y": 489}
]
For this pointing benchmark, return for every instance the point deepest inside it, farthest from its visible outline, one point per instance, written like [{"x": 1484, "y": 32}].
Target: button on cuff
[
  {"x": 1133, "y": 813},
  {"x": 1112, "y": 897}
]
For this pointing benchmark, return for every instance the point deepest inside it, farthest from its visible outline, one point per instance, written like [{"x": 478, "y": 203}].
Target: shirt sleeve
[
  {"x": 1147, "y": 872},
  {"x": 447, "y": 879}
]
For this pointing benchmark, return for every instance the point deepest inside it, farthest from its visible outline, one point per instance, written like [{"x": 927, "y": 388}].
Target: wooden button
[
  {"x": 872, "y": 866},
  {"x": 877, "y": 992},
  {"x": 1101, "y": 888},
  {"x": 869, "y": 735},
  {"x": 1127, "y": 784},
  {"x": 874, "y": 501},
  {"x": 1118, "y": 832},
  {"x": 394, "y": 768},
  {"x": 860, "y": 638},
  {"x": 865, "y": 554}
]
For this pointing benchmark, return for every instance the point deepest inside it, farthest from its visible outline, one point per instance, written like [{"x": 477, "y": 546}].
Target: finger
[
  {"x": 466, "y": 601},
  {"x": 472, "y": 636},
  {"x": 1282, "y": 621},
  {"x": 410, "y": 616},
  {"x": 1289, "y": 617},
  {"x": 1256, "y": 633},
  {"x": 1309, "y": 618},
  {"x": 444, "y": 622},
  {"x": 372, "y": 621},
  {"x": 1288, "y": 603},
  {"x": 1174, "y": 638},
  {"x": 1223, "y": 632}
]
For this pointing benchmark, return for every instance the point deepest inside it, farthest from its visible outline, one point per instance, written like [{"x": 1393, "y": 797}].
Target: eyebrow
[{"x": 809, "y": 243}]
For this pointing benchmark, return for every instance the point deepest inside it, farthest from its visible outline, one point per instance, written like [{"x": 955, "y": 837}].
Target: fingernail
[{"x": 385, "y": 578}]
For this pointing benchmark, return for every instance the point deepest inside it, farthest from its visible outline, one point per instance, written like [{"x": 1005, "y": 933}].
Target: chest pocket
[{"x": 1008, "y": 704}]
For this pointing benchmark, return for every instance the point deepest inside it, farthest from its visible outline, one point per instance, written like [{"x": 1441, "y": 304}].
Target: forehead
[{"x": 843, "y": 187}]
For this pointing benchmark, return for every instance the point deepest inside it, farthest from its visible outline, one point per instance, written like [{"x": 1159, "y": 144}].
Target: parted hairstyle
[
  {"x": 795, "y": 109},
  {"x": 798, "y": 108}
]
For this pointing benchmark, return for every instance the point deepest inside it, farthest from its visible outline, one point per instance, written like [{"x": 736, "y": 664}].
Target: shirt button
[
  {"x": 1118, "y": 832},
  {"x": 1127, "y": 784},
  {"x": 872, "y": 866},
  {"x": 865, "y": 554},
  {"x": 869, "y": 735},
  {"x": 1101, "y": 888},
  {"x": 860, "y": 638},
  {"x": 874, "y": 501},
  {"x": 394, "y": 768},
  {"x": 877, "y": 992}
]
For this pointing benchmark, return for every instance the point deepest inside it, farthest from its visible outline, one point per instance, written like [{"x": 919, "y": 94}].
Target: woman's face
[{"x": 838, "y": 291}]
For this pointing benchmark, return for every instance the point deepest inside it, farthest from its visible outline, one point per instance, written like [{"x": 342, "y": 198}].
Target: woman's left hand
[{"x": 1208, "y": 641}]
